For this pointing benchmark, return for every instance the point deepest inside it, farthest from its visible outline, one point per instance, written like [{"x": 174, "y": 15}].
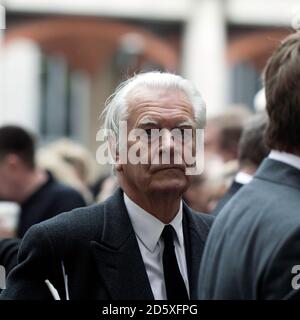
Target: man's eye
[
  {"x": 186, "y": 133},
  {"x": 181, "y": 131}
]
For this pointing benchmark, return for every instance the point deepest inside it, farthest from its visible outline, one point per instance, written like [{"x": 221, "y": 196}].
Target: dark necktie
[{"x": 175, "y": 286}]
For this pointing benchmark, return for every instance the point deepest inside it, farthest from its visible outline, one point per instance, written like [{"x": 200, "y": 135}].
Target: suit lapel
[
  {"x": 195, "y": 232},
  {"x": 117, "y": 255}
]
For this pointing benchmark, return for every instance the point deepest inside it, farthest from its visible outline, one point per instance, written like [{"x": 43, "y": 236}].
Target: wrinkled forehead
[{"x": 154, "y": 102}]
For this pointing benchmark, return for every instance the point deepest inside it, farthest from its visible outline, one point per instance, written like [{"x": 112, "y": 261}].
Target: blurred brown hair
[
  {"x": 16, "y": 140},
  {"x": 282, "y": 83},
  {"x": 252, "y": 148}
]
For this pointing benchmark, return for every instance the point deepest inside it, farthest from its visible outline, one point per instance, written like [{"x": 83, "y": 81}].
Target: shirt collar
[
  {"x": 285, "y": 157},
  {"x": 148, "y": 228},
  {"x": 243, "y": 177}
]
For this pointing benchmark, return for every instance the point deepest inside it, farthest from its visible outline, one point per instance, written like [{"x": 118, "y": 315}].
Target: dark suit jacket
[
  {"x": 8, "y": 253},
  {"x": 100, "y": 253},
  {"x": 255, "y": 240},
  {"x": 51, "y": 199},
  {"x": 234, "y": 188}
]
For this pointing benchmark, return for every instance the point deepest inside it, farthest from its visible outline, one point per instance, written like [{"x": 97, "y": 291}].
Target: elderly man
[
  {"x": 252, "y": 251},
  {"x": 143, "y": 242}
]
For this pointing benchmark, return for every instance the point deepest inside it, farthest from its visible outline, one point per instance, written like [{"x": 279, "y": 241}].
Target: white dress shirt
[
  {"x": 148, "y": 231},
  {"x": 243, "y": 178},
  {"x": 285, "y": 157}
]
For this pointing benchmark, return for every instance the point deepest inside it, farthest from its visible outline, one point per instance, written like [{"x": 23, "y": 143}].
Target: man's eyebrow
[
  {"x": 147, "y": 121},
  {"x": 185, "y": 123}
]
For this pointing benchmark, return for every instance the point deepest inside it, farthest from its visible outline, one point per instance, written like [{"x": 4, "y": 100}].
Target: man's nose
[{"x": 167, "y": 141}]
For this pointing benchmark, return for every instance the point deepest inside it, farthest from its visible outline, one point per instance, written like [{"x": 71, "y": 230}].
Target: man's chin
[{"x": 169, "y": 186}]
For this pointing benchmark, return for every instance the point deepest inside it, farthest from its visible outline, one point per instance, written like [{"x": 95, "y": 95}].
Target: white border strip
[{"x": 2, "y": 18}]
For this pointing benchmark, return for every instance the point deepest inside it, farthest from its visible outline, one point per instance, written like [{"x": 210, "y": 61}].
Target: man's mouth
[{"x": 156, "y": 168}]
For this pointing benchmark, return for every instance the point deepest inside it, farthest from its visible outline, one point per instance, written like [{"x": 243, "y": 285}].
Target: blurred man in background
[
  {"x": 197, "y": 195},
  {"x": 222, "y": 136},
  {"x": 252, "y": 251},
  {"x": 223, "y": 133},
  {"x": 35, "y": 190},
  {"x": 252, "y": 150}
]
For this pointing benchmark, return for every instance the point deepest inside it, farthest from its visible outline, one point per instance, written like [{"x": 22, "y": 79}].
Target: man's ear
[
  {"x": 118, "y": 167},
  {"x": 118, "y": 162},
  {"x": 114, "y": 152}
]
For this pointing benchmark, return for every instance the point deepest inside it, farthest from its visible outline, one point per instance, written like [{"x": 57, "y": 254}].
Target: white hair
[{"x": 116, "y": 105}]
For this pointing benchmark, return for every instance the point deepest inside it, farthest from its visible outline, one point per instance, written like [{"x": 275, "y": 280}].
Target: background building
[{"x": 60, "y": 59}]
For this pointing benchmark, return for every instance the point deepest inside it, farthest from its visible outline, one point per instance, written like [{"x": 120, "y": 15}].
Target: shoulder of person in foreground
[
  {"x": 281, "y": 276},
  {"x": 42, "y": 249}
]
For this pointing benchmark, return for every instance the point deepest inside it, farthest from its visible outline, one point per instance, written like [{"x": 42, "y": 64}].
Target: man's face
[
  {"x": 6, "y": 185},
  {"x": 165, "y": 110},
  {"x": 211, "y": 140}
]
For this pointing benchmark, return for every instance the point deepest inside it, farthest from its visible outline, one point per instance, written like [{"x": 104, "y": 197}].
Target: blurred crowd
[{"x": 43, "y": 182}]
